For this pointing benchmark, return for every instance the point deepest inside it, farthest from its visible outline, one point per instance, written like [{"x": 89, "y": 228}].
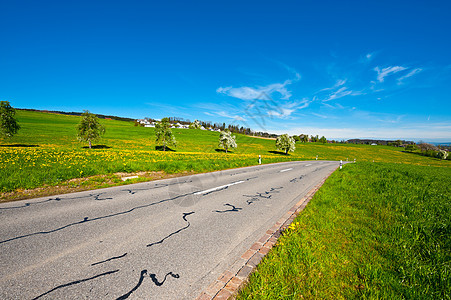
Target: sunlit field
[{"x": 46, "y": 152}]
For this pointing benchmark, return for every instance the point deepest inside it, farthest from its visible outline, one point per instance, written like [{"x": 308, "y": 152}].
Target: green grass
[
  {"x": 57, "y": 156},
  {"x": 373, "y": 231}
]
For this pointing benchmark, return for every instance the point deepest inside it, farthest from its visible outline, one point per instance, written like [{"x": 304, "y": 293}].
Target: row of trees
[
  {"x": 429, "y": 150},
  {"x": 304, "y": 138},
  {"x": 165, "y": 137}
]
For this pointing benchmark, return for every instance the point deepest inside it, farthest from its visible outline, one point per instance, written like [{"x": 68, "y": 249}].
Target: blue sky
[{"x": 343, "y": 69}]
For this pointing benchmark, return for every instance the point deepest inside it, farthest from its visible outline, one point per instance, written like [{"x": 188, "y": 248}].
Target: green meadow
[
  {"x": 373, "y": 231},
  {"x": 45, "y": 152}
]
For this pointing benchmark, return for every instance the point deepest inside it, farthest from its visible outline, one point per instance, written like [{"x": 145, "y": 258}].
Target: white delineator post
[
  {"x": 341, "y": 164},
  {"x": 259, "y": 159}
]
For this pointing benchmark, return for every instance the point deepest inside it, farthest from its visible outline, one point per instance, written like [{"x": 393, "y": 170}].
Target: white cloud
[
  {"x": 286, "y": 110},
  {"x": 410, "y": 74},
  {"x": 225, "y": 115},
  {"x": 261, "y": 92},
  {"x": 284, "y": 113},
  {"x": 382, "y": 73},
  {"x": 244, "y": 93},
  {"x": 339, "y": 83},
  {"x": 342, "y": 92},
  {"x": 320, "y": 116}
]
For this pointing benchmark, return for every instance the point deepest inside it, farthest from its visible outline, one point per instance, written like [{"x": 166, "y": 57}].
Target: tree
[
  {"x": 426, "y": 147},
  {"x": 89, "y": 129},
  {"x": 8, "y": 122},
  {"x": 195, "y": 125},
  {"x": 285, "y": 143},
  {"x": 315, "y": 138},
  {"x": 411, "y": 147},
  {"x": 323, "y": 139},
  {"x": 296, "y": 138},
  {"x": 304, "y": 138},
  {"x": 164, "y": 134},
  {"x": 226, "y": 140}
]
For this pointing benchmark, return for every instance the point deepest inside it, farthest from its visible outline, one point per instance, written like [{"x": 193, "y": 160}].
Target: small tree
[
  {"x": 442, "y": 154},
  {"x": 285, "y": 143},
  {"x": 8, "y": 122},
  {"x": 164, "y": 134},
  {"x": 226, "y": 140},
  {"x": 195, "y": 125},
  {"x": 323, "y": 139},
  {"x": 89, "y": 129}
]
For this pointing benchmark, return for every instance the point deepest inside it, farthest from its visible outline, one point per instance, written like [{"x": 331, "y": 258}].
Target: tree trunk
[{"x": 89, "y": 144}]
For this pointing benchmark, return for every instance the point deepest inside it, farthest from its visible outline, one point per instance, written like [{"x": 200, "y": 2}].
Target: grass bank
[{"x": 373, "y": 231}]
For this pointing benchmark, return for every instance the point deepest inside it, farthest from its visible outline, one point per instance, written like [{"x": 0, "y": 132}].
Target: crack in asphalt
[
  {"x": 75, "y": 282},
  {"x": 154, "y": 279},
  {"x": 109, "y": 259},
  {"x": 175, "y": 232},
  {"x": 228, "y": 210}
]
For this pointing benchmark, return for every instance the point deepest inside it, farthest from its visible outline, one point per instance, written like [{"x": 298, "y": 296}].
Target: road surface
[{"x": 166, "y": 239}]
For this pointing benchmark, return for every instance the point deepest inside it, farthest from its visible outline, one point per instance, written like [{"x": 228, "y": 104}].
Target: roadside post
[
  {"x": 341, "y": 164},
  {"x": 317, "y": 157},
  {"x": 259, "y": 159}
]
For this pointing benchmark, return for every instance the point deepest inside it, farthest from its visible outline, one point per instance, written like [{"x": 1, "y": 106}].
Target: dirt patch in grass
[{"x": 86, "y": 184}]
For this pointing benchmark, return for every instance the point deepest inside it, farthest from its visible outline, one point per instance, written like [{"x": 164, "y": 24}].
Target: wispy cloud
[
  {"x": 260, "y": 92},
  {"x": 337, "y": 84},
  {"x": 340, "y": 93},
  {"x": 410, "y": 74},
  {"x": 286, "y": 110},
  {"x": 382, "y": 73},
  {"x": 336, "y": 106},
  {"x": 225, "y": 115},
  {"x": 320, "y": 116}
]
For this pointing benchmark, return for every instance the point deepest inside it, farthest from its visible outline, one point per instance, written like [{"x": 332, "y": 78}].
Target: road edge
[{"x": 229, "y": 283}]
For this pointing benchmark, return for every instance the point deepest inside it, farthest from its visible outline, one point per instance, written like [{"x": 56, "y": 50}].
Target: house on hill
[{"x": 146, "y": 123}]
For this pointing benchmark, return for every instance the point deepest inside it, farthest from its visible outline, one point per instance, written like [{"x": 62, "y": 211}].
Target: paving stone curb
[{"x": 229, "y": 283}]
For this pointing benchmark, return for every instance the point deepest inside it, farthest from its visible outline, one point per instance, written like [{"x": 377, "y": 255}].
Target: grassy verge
[{"x": 373, "y": 231}]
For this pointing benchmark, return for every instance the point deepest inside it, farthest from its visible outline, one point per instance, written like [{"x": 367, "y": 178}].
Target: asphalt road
[{"x": 166, "y": 239}]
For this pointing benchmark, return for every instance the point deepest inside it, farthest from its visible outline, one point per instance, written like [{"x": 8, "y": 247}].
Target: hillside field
[
  {"x": 377, "y": 229},
  {"x": 45, "y": 152}
]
